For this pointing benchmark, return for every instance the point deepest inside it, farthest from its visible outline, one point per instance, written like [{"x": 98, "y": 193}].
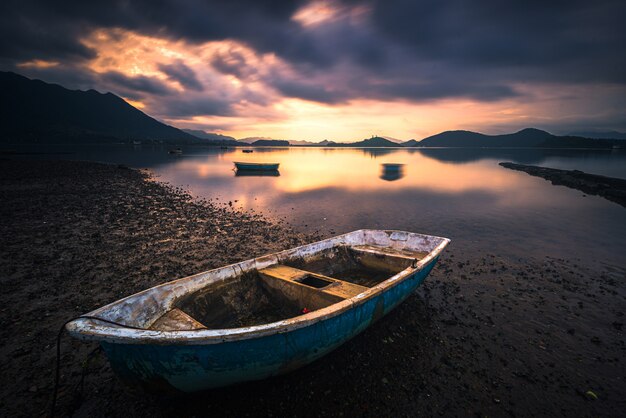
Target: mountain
[
  {"x": 600, "y": 134},
  {"x": 38, "y": 112},
  {"x": 528, "y": 137},
  {"x": 373, "y": 142},
  {"x": 396, "y": 140},
  {"x": 410, "y": 143},
  {"x": 270, "y": 143},
  {"x": 212, "y": 137},
  {"x": 251, "y": 139}
]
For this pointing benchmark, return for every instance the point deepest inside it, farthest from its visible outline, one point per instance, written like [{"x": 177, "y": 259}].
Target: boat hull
[
  {"x": 257, "y": 166},
  {"x": 189, "y": 368}
]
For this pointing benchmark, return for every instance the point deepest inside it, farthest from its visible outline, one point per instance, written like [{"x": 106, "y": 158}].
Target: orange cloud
[
  {"x": 240, "y": 77},
  {"x": 38, "y": 64}
]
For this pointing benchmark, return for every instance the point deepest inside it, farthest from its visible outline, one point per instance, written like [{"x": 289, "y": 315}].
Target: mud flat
[
  {"x": 613, "y": 189},
  {"x": 484, "y": 336}
]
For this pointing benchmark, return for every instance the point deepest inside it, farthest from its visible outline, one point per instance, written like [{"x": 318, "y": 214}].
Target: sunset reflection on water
[{"x": 463, "y": 194}]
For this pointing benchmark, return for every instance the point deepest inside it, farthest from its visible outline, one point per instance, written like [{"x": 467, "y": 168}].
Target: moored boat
[
  {"x": 256, "y": 166},
  {"x": 176, "y": 151},
  {"x": 260, "y": 317},
  {"x": 247, "y": 151}
]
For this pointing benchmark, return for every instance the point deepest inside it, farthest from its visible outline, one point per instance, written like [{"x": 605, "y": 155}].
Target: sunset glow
[{"x": 343, "y": 75}]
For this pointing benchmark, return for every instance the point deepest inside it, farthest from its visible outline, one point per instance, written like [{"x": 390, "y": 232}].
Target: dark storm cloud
[
  {"x": 57, "y": 26},
  {"x": 31, "y": 30},
  {"x": 184, "y": 107},
  {"x": 231, "y": 62},
  {"x": 181, "y": 73},
  {"x": 391, "y": 90},
  {"x": 130, "y": 86},
  {"x": 309, "y": 91},
  {"x": 554, "y": 41},
  {"x": 452, "y": 48}
]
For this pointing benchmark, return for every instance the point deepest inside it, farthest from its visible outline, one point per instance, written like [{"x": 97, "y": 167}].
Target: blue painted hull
[
  {"x": 191, "y": 368},
  {"x": 257, "y": 166}
]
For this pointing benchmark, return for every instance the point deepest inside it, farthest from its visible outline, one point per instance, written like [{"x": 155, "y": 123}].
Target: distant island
[
  {"x": 270, "y": 143},
  {"x": 32, "y": 111}
]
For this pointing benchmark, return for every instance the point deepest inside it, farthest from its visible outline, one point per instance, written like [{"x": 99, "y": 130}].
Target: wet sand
[
  {"x": 611, "y": 188},
  {"x": 484, "y": 336}
]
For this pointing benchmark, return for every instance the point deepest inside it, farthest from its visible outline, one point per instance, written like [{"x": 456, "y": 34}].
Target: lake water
[{"x": 458, "y": 193}]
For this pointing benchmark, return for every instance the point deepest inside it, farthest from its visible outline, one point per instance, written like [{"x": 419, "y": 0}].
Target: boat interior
[{"x": 285, "y": 290}]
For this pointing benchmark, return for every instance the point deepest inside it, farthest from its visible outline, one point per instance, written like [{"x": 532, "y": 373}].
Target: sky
[{"x": 338, "y": 70}]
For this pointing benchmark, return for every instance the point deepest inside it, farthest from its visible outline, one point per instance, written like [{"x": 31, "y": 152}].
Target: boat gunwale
[
  {"x": 88, "y": 329},
  {"x": 247, "y": 163}
]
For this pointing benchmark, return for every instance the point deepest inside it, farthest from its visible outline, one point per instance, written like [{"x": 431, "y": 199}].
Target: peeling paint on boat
[{"x": 192, "y": 360}]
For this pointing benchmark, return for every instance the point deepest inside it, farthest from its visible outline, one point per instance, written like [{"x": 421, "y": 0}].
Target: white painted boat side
[{"x": 143, "y": 307}]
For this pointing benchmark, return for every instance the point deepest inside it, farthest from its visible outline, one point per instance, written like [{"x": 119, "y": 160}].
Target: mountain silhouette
[
  {"x": 528, "y": 137},
  {"x": 373, "y": 142},
  {"x": 212, "y": 138},
  {"x": 270, "y": 143},
  {"x": 37, "y": 112}
]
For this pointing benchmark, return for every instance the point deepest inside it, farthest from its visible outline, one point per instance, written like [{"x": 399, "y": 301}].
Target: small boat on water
[
  {"x": 247, "y": 151},
  {"x": 256, "y": 166},
  {"x": 175, "y": 151},
  {"x": 260, "y": 317}
]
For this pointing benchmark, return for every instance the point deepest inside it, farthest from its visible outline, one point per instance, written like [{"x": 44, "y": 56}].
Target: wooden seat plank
[{"x": 176, "y": 320}]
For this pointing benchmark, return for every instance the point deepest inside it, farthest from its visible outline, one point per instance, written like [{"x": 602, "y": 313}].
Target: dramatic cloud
[
  {"x": 181, "y": 73},
  {"x": 138, "y": 84},
  {"x": 254, "y": 65}
]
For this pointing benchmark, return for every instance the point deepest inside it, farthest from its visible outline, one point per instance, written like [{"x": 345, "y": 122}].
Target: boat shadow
[{"x": 257, "y": 173}]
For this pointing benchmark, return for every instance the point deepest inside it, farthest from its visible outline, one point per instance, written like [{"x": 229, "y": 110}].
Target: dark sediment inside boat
[
  {"x": 611, "y": 188},
  {"x": 484, "y": 335}
]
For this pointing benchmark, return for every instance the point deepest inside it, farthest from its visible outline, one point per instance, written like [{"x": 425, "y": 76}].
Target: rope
[{"x": 57, "y": 373}]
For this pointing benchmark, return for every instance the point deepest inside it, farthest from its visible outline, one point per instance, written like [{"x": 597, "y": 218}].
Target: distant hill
[
  {"x": 525, "y": 138},
  {"x": 270, "y": 143},
  {"x": 37, "y": 112},
  {"x": 212, "y": 138},
  {"x": 373, "y": 142},
  {"x": 392, "y": 139},
  {"x": 410, "y": 143},
  {"x": 251, "y": 139}
]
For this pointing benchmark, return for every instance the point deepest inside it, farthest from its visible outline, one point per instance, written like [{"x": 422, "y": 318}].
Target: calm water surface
[{"x": 459, "y": 193}]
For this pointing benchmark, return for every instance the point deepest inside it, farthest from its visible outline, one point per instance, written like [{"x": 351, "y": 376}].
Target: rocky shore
[
  {"x": 610, "y": 188},
  {"x": 484, "y": 336}
]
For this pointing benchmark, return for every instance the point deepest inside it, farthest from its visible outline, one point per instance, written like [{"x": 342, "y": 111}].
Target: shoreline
[
  {"x": 483, "y": 335},
  {"x": 610, "y": 188}
]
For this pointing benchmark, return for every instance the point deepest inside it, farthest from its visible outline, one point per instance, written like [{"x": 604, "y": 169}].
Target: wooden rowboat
[
  {"x": 256, "y": 166},
  {"x": 260, "y": 317}
]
